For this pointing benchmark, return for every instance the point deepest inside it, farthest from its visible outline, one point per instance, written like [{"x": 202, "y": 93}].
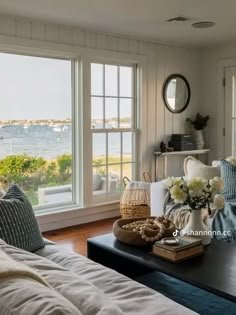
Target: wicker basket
[
  {"x": 136, "y": 211},
  {"x": 135, "y": 200}
]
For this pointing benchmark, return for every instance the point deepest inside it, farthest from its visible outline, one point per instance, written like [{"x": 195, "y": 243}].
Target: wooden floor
[{"x": 75, "y": 237}]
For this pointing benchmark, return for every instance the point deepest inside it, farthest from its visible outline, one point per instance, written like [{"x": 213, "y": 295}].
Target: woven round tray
[{"x": 134, "y": 238}]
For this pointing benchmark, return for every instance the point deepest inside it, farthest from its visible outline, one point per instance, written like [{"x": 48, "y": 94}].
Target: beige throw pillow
[{"x": 194, "y": 168}]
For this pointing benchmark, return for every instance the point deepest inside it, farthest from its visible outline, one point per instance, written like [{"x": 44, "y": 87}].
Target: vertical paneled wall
[{"x": 162, "y": 60}]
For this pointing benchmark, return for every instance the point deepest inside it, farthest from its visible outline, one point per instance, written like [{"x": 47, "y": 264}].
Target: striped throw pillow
[
  {"x": 228, "y": 173},
  {"x": 18, "y": 225}
]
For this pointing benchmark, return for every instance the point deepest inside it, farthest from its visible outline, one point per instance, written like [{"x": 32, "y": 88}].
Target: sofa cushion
[
  {"x": 228, "y": 173},
  {"x": 195, "y": 168},
  {"x": 130, "y": 296},
  {"x": 24, "y": 291},
  {"x": 18, "y": 225}
]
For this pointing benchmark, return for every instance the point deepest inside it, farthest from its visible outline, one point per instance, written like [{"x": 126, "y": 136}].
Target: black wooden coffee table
[{"x": 214, "y": 272}]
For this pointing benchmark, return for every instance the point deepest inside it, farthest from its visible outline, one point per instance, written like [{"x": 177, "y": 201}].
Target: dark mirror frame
[{"x": 164, "y": 91}]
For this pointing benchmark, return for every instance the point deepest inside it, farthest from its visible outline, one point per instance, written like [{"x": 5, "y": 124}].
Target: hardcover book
[
  {"x": 178, "y": 255},
  {"x": 184, "y": 243}
]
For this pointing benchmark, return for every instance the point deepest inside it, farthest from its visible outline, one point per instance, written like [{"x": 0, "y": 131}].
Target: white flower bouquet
[{"x": 198, "y": 193}]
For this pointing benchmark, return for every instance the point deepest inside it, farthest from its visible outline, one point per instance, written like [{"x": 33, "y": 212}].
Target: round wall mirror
[{"x": 176, "y": 93}]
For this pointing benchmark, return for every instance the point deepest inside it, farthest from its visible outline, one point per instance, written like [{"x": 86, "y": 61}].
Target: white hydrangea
[
  {"x": 169, "y": 182},
  {"x": 217, "y": 184},
  {"x": 197, "y": 185},
  {"x": 178, "y": 194},
  {"x": 219, "y": 201}
]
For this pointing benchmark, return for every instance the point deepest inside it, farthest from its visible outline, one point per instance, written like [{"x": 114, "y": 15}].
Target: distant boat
[
  {"x": 57, "y": 129},
  {"x": 26, "y": 126},
  {"x": 64, "y": 128}
]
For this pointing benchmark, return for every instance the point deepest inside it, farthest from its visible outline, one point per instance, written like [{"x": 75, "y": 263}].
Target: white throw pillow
[{"x": 194, "y": 168}]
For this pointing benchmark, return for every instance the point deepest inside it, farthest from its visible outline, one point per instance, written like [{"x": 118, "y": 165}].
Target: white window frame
[
  {"x": 75, "y": 122},
  {"x": 89, "y": 198},
  {"x": 50, "y": 216}
]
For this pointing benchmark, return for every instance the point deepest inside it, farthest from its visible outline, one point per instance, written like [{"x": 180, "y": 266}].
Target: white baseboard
[{"x": 57, "y": 220}]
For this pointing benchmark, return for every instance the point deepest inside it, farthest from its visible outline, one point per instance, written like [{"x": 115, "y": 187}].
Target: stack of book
[
  {"x": 182, "y": 142},
  {"x": 187, "y": 247}
]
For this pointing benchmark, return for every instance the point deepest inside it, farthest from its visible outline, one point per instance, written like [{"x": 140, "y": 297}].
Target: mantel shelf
[{"x": 190, "y": 152}]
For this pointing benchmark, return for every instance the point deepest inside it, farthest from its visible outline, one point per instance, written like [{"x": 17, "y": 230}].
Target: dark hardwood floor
[{"x": 75, "y": 237}]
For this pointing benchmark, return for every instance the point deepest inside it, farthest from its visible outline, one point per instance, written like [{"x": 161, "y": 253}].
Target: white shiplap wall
[{"x": 162, "y": 60}]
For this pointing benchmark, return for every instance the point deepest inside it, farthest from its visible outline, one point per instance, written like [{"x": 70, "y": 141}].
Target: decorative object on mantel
[
  {"x": 164, "y": 148},
  {"x": 198, "y": 193},
  {"x": 142, "y": 231},
  {"x": 199, "y": 123},
  {"x": 182, "y": 142}
]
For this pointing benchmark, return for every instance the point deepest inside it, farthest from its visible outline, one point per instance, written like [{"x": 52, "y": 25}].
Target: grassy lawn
[{"x": 113, "y": 169}]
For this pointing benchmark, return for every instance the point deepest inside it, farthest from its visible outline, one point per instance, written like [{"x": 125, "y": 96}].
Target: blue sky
[{"x": 34, "y": 88}]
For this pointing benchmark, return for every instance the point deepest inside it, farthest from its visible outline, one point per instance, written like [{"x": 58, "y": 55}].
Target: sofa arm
[{"x": 159, "y": 195}]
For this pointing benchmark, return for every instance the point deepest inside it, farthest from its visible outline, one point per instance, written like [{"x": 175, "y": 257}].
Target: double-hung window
[
  {"x": 55, "y": 156},
  {"x": 113, "y": 127}
]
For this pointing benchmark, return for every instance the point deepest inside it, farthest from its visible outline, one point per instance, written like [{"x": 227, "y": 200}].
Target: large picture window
[
  {"x": 113, "y": 126},
  {"x": 68, "y": 129},
  {"x": 35, "y": 127}
]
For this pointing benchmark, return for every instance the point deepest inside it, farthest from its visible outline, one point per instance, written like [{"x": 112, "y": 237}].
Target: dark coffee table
[{"x": 214, "y": 272}]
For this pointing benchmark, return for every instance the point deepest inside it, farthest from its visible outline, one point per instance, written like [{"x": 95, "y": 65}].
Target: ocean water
[{"x": 49, "y": 141}]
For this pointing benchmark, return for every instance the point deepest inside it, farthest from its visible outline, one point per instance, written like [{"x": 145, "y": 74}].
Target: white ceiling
[{"x": 144, "y": 19}]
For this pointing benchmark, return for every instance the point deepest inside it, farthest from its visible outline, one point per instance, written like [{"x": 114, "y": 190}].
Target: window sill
[{"x": 60, "y": 217}]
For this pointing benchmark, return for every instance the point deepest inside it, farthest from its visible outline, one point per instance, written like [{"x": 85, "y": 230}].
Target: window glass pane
[
  {"x": 99, "y": 180},
  {"x": 114, "y": 148},
  {"x": 127, "y": 146},
  {"x": 111, "y": 112},
  {"x": 125, "y": 113},
  {"x": 96, "y": 79},
  {"x": 97, "y": 112},
  {"x": 126, "y": 76},
  {"x": 111, "y": 76},
  {"x": 128, "y": 170},
  {"x": 99, "y": 148},
  {"x": 114, "y": 181},
  {"x": 35, "y": 127}
]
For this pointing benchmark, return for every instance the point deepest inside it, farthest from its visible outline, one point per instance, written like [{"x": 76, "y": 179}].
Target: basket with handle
[{"x": 135, "y": 200}]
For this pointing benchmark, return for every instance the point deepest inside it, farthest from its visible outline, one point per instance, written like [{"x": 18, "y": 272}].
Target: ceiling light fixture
[{"x": 206, "y": 24}]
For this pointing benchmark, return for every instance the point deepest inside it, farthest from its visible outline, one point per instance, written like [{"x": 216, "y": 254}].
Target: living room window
[
  {"x": 113, "y": 127},
  {"x": 36, "y": 127},
  {"x": 68, "y": 129}
]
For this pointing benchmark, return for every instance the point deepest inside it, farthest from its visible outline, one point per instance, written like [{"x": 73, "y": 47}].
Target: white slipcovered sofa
[{"x": 192, "y": 168}]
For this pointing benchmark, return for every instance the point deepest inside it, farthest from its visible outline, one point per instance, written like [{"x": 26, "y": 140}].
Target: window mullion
[
  {"x": 107, "y": 162},
  {"x": 118, "y": 98},
  {"x": 104, "y": 99},
  {"x": 121, "y": 160}
]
